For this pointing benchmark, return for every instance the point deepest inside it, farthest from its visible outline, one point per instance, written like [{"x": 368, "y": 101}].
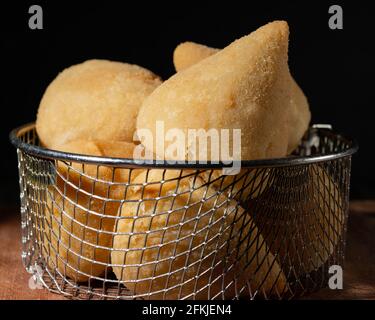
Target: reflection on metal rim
[{"x": 134, "y": 163}]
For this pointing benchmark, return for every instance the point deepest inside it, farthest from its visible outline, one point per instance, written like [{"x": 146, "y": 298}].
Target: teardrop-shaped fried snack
[
  {"x": 77, "y": 238},
  {"x": 93, "y": 100},
  {"x": 92, "y": 178},
  {"x": 179, "y": 238},
  {"x": 80, "y": 210},
  {"x": 246, "y": 185},
  {"x": 245, "y": 86},
  {"x": 299, "y": 117},
  {"x": 187, "y": 54},
  {"x": 310, "y": 227}
]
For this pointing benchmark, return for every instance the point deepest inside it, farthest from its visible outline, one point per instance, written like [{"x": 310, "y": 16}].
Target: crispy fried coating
[
  {"x": 93, "y": 100},
  {"x": 77, "y": 233},
  {"x": 96, "y": 178},
  {"x": 189, "y": 53},
  {"x": 304, "y": 231},
  {"x": 246, "y": 185},
  {"x": 299, "y": 118},
  {"x": 244, "y": 86},
  {"x": 327, "y": 222},
  {"x": 190, "y": 243},
  {"x": 81, "y": 209}
]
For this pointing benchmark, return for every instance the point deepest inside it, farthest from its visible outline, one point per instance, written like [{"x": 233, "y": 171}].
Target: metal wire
[{"x": 104, "y": 228}]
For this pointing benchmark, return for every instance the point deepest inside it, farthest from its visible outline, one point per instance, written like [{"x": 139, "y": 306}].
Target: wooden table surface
[{"x": 359, "y": 272}]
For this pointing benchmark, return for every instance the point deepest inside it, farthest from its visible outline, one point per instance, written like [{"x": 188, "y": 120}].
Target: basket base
[
  {"x": 95, "y": 290},
  {"x": 100, "y": 290}
]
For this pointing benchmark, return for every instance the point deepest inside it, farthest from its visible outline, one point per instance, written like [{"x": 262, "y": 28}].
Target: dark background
[{"x": 335, "y": 68}]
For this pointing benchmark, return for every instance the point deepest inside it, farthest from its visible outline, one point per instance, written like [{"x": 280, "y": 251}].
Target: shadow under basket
[{"x": 111, "y": 228}]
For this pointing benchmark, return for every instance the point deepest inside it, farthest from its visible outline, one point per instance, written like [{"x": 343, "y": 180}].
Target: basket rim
[{"x": 163, "y": 164}]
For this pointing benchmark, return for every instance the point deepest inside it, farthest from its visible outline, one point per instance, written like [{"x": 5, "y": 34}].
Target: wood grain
[
  {"x": 359, "y": 271},
  {"x": 14, "y": 280}
]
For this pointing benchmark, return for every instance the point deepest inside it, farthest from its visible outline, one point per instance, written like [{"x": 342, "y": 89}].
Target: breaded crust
[
  {"x": 187, "y": 54},
  {"x": 244, "y": 86},
  {"x": 80, "y": 210},
  {"x": 191, "y": 243},
  {"x": 93, "y": 100}
]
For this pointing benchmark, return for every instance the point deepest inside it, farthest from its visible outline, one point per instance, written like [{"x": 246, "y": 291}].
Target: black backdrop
[{"x": 335, "y": 68}]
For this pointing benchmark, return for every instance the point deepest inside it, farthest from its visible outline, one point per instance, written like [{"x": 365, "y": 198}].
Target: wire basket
[{"x": 107, "y": 228}]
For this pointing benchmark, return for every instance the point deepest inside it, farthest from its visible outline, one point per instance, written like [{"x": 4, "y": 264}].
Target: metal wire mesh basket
[{"x": 107, "y": 228}]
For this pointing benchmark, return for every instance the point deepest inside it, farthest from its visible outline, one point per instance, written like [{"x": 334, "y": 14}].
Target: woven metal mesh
[{"x": 105, "y": 232}]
